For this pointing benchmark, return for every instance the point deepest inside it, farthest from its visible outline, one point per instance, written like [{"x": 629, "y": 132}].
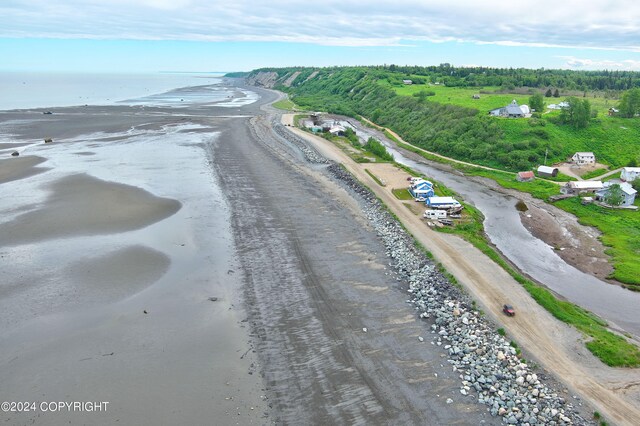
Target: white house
[
  {"x": 583, "y": 158},
  {"x": 407, "y": 81},
  {"x": 629, "y": 174},
  {"x": 627, "y": 190}
]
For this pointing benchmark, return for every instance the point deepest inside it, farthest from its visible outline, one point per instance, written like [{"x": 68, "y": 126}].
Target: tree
[
  {"x": 548, "y": 93},
  {"x": 636, "y": 185},
  {"x": 577, "y": 113},
  {"x": 536, "y": 102},
  {"x": 556, "y": 94},
  {"x": 630, "y": 103},
  {"x": 614, "y": 196}
]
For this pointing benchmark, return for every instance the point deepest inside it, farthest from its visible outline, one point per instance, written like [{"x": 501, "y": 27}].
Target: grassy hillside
[{"x": 447, "y": 120}]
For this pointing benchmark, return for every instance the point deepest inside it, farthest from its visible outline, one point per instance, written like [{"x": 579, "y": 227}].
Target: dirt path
[{"x": 554, "y": 345}]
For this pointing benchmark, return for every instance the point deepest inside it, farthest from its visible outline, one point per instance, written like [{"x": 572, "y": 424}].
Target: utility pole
[{"x": 546, "y": 151}]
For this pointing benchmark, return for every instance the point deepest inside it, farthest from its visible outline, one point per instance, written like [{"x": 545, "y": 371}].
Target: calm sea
[{"x": 41, "y": 90}]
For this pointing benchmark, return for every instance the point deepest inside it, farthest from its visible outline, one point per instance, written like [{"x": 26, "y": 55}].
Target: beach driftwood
[{"x": 15, "y": 153}]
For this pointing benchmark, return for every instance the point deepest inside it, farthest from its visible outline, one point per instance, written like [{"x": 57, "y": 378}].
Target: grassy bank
[{"x": 285, "y": 104}]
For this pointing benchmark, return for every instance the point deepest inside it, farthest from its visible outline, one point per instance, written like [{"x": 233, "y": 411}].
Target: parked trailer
[{"x": 435, "y": 214}]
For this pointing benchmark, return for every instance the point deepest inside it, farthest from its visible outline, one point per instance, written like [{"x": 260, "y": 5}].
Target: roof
[
  {"x": 625, "y": 186},
  {"x": 513, "y": 108},
  {"x": 586, "y": 184},
  {"x": 526, "y": 175},
  {"x": 422, "y": 185},
  {"x": 337, "y": 128},
  {"x": 443, "y": 200},
  {"x": 546, "y": 169},
  {"x": 631, "y": 169},
  {"x": 584, "y": 154}
]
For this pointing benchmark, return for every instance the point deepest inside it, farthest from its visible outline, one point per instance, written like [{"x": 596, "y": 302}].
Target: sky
[{"x": 241, "y": 35}]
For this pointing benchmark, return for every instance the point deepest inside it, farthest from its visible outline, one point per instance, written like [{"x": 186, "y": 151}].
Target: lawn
[
  {"x": 402, "y": 194},
  {"x": 285, "y": 104}
]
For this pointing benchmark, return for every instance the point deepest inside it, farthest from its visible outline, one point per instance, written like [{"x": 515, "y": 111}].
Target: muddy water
[{"x": 531, "y": 255}]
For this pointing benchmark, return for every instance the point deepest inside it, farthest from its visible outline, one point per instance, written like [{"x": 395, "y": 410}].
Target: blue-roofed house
[{"x": 421, "y": 190}]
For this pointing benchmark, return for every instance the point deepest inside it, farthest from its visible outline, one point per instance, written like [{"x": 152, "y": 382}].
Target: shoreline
[{"x": 118, "y": 280}]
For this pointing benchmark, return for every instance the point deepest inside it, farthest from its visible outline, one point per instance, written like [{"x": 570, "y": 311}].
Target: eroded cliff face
[{"x": 263, "y": 79}]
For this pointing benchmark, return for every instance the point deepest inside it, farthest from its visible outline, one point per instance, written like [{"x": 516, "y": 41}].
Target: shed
[
  {"x": 407, "y": 81},
  {"x": 525, "y": 176},
  {"x": 629, "y": 174},
  {"x": 476, "y": 96},
  {"x": 546, "y": 171}
]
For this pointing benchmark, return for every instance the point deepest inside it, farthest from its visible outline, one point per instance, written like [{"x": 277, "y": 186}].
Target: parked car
[{"x": 508, "y": 310}]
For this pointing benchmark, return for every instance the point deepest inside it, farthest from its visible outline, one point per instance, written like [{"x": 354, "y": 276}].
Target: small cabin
[{"x": 525, "y": 176}]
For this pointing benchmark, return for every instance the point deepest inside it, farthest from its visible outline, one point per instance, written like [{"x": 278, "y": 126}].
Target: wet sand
[
  {"x": 118, "y": 281},
  {"x": 187, "y": 267}
]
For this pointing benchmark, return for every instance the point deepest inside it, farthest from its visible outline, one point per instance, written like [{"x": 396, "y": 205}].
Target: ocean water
[{"x": 22, "y": 90}]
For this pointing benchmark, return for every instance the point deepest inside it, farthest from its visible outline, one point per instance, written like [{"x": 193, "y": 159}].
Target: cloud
[
  {"x": 590, "y": 64},
  {"x": 543, "y": 23}
]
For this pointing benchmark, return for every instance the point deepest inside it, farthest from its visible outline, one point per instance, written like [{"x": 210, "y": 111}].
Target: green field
[{"x": 285, "y": 104}]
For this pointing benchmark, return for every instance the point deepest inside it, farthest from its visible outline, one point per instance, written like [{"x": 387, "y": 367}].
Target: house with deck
[
  {"x": 629, "y": 194},
  {"x": 629, "y": 174},
  {"x": 584, "y": 158}
]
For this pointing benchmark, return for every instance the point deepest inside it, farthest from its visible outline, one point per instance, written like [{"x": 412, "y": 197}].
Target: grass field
[
  {"x": 402, "y": 194},
  {"x": 285, "y": 104}
]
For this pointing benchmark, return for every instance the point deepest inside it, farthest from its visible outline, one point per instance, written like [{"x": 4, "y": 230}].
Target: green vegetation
[
  {"x": 402, "y": 194},
  {"x": 445, "y": 118},
  {"x": 630, "y": 103},
  {"x": 376, "y": 148},
  {"x": 285, "y": 104},
  {"x": 375, "y": 178},
  {"x": 501, "y": 332},
  {"x": 620, "y": 233},
  {"x": 577, "y": 114},
  {"x": 594, "y": 173}
]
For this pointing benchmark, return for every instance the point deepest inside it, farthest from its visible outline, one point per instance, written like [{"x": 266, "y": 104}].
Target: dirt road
[{"x": 554, "y": 345}]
